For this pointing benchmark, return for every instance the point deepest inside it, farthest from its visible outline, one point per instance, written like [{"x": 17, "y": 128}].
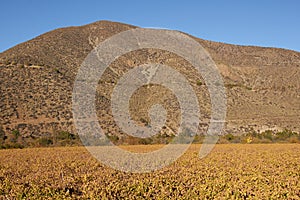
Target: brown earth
[{"x": 37, "y": 76}]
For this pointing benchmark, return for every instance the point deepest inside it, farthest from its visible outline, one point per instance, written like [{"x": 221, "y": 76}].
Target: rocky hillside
[{"x": 37, "y": 76}]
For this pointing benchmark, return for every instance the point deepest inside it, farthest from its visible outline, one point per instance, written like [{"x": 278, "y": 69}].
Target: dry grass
[{"x": 255, "y": 171}]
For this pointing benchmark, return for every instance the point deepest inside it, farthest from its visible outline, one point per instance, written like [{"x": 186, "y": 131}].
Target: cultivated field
[{"x": 231, "y": 171}]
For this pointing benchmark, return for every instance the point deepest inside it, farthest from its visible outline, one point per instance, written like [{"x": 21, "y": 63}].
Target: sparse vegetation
[
  {"x": 2, "y": 136},
  {"x": 60, "y": 138},
  {"x": 16, "y": 133},
  {"x": 199, "y": 83},
  {"x": 268, "y": 136},
  {"x": 62, "y": 51},
  {"x": 113, "y": 138},
  {"x": 57, "y": 70},
  {"x": 65, "y": 138},
  {"x": 144, "y": 121},
  {"x": 233, "y": 85},
  {"x": 44, "y": 142}
]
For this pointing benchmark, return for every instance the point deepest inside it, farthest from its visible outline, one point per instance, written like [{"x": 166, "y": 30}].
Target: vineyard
[{"x": 230, "y": 171}]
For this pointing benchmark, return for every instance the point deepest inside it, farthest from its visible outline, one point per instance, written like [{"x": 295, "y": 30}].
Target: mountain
[{"x": 37, "y": 76}]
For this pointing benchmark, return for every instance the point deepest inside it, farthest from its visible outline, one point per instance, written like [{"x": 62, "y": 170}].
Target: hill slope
[{"x": 36, "y": 80}]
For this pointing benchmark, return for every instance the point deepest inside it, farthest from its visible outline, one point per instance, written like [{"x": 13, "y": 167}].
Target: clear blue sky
[{"x": 273, "y": 23}]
